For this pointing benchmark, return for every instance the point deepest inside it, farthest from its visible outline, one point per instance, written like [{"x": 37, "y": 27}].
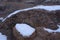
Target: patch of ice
[
  {"x": 3, "y": 37},
  {"x": 49, "y": 8},
  {"x": 25, "y": 30},
  {"x": 51, "y": 31}
]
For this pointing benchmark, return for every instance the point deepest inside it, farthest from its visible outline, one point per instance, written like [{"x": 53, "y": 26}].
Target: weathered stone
[{"x": 36, "y": 18}]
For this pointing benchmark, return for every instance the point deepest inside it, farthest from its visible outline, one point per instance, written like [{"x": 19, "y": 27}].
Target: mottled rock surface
[
  {"x": 8, "y": 6},
  {"x": 38, "y": 19}
]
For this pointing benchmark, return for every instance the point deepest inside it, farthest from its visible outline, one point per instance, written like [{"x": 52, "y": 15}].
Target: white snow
[
  {"x": 1, "y": 18},
  {"x": 3, "y": 37},
  {"x": 51, "y": 31},
  {"x": 15, "y": 12},
  {"x": 49, "y": 8},
  {"x": 25, "y": 30}
]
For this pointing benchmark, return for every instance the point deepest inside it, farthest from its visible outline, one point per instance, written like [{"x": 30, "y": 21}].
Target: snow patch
[
  {"x": 51, "y": 31},
  {"x": 25, "y": 30},
  {"x": 3, "y": 37},
  {"x": 1, "y": 18},
  {"x": 49, "y": 8}
]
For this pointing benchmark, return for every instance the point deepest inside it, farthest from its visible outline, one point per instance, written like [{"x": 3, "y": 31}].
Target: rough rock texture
[
  {"x": 45, "y": 2},
  {"x": 5, "y": 31},
  {"x": 8, "y": 6},
  {"x": 38, "y": 19},
  {"x": 35, "y": 18},
  {"x": 58, "y": 15},
  {"x": 51, "y": 2}
]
